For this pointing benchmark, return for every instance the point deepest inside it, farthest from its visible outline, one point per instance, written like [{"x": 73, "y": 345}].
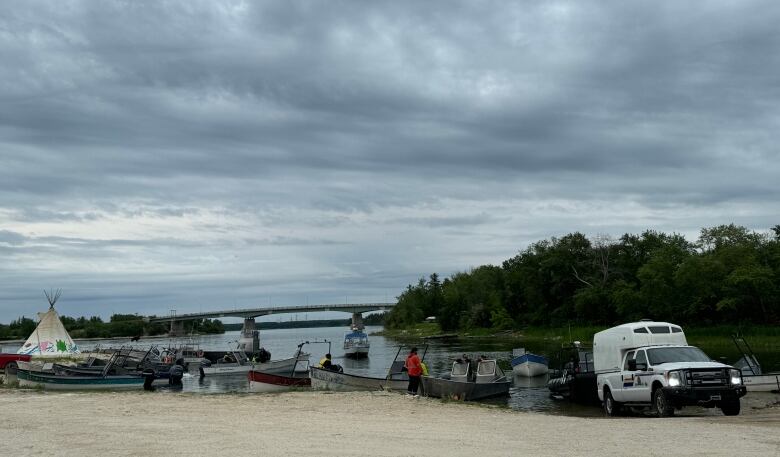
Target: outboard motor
[
  {"x": 149, "y": 376},
  {"x": 175, "y": 373},
  {"x": 204, "y": 363}
]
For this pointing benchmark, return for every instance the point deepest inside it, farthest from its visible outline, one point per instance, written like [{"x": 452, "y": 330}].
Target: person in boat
[
  {"x": 328, "y": 364},
  {"x": 228, "y": 358},
  {"x": 414, "y": 369}
]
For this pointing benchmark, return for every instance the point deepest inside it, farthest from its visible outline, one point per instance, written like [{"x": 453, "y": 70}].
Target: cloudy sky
[{"x": 200, "y": 155}]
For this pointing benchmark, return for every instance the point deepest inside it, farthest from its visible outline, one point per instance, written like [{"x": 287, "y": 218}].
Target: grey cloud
[{"x": 333, "y": 127}]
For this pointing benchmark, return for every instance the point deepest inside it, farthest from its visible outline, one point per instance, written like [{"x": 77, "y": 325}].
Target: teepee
[{"x": 50, "y": 339}]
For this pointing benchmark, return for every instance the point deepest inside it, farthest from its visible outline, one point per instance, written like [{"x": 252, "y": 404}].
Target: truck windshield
[{"x": 658, "y": 356}]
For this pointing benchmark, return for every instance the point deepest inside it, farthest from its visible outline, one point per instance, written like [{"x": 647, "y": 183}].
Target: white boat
[
  {"x": 236, "y": 362},
  {"x": 753, "y": 376},
  {"x": 527, "y": 364},
  {"x": 356, "y": 344},
  {"x": 322, "y": 379}
]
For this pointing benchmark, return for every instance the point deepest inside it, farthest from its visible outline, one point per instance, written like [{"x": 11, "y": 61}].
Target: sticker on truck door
[{"x": 628, "y": 380}]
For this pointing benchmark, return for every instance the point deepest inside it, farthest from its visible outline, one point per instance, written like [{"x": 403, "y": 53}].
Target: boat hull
[
  {"x": 766, "y": 382},
  {"x": 269, "y": 382},
  {"x": 466, "y": 391},
  {"x": 356, "y": 352},
  {"x": 53, "y": 382},
  {"x": 530, "y": 365},
  {"x": 281, "y": 366},
  {"x": 322, "y": 379},
  {"x": 578, "y": 387}
]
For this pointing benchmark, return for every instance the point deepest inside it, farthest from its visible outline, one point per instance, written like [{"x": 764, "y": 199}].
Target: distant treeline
[
  {"x": 119, "y": 325},
  {"x": 730, "y": 275},
  {"x": 373, "y": 319}
]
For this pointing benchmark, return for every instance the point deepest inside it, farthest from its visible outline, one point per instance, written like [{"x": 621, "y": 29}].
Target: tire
[
  {"x": 11, "y": 369},
  {"x": 730, "y": 408},
  {"x": 662, "y": 407},
  {"x": 611, "y": 407}
]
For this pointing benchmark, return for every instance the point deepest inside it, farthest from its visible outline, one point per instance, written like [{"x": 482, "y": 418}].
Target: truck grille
[{"x": 707, "y": 378}]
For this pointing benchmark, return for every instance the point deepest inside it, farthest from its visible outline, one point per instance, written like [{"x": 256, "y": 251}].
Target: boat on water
[
  {"x": 237, "y": 362},
  {"x": 527, "y": 364},
  {"x": 296, "y": 378},
  {"x": 270, "y": 382},
  {"x": 356, "y": 344},
  {"x": 576, "y": 378},
  {"x": 467, "y": 384},
  {"x": 753, "y": 376}
]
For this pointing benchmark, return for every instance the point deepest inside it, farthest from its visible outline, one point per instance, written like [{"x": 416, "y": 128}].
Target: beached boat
[
  {"x": 576, "y": 379},
  {"x": 527, "y": 364},
  {"x": 488, "y": 380},
  {"x": 356, "y": 344},
  {"x": 270, "y": 382},
  {"x": 753, "y": 376},
  {"x": 62, "y": 380},
  {"x": 236, "y": 362},
  {"x": 322, "y": 379}
]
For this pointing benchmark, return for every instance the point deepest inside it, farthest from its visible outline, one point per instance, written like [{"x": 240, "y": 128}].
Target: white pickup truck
[{"x": 650, "y": 364}]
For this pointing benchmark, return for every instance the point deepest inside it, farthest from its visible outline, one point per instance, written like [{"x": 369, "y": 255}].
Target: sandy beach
[{"x": 352, "y": 424}]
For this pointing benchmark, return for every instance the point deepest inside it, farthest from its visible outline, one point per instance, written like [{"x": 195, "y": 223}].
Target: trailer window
[
  {"x": 640, "y": 330},
  {"x": 676, "y": 330},
  {"x": 659, "y": 329}
]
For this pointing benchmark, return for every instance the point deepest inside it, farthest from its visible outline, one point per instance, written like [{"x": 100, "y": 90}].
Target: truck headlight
[
  {"x": 675, "y": 378},
  {"x": 736, "y": 377}
]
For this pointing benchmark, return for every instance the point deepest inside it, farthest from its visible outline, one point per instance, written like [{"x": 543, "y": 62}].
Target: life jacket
[{"x": 322, "y": 362}]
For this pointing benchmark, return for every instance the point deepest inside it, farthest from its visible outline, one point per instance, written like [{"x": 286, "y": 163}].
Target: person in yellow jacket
[{"x": 326, "y": 362}]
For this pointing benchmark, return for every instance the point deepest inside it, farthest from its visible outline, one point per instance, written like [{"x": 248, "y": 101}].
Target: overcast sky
[{"x": 201, "y": 155}]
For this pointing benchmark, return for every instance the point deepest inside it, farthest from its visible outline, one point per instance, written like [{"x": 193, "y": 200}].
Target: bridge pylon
[
  {"x": 249, "y": 341},
  {"x": 357, "y": 321}
]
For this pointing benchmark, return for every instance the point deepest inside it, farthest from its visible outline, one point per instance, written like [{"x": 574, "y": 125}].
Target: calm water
[{"x": 526, "y": 394}]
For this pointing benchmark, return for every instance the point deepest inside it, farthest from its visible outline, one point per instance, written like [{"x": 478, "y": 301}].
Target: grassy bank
[{"x": 766, "y": 337}]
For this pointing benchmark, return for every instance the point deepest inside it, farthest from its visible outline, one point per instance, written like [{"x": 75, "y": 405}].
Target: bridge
[{"x": 250, "y": 337}]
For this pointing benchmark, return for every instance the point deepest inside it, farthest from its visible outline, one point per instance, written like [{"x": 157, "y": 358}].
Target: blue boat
[{"x": 528, "y": 364}]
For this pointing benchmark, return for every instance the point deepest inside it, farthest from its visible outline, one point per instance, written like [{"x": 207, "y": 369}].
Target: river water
[{"x": 525, "y": 395}]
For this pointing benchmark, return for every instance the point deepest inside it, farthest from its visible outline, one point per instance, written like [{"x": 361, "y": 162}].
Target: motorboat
[
  {"x": 576, "y": 379},
  {"x": 467, "y": 384},
  {"x": 236, "y": 362},
  {"x": 356, "y": 344},
  {"x": 261, "y": 380},
  {"x": 753, "y": 376},
  {"x": 396, "y": 379},
  {"x": 101, "y": 380},
  {"x": 527, "y": 364}
]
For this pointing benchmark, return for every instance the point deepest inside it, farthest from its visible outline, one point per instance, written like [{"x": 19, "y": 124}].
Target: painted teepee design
[{"x": 50, "y": 337}]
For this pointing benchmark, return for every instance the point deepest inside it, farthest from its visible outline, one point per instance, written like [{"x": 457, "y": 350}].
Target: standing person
[{"x": 414, "y": 369}]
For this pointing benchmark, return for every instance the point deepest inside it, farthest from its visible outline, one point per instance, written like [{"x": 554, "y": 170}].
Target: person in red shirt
[{"x": 414, "y": 369}]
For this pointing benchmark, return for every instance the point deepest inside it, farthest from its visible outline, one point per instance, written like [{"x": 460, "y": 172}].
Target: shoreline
[{"x": 346, "y": 424}]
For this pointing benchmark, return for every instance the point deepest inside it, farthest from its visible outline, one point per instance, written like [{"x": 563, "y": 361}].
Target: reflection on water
[{"x": 526, "y": 394}]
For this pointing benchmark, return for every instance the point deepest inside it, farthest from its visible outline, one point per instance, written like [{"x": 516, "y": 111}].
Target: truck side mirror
[{"x": 631, "y": 364}]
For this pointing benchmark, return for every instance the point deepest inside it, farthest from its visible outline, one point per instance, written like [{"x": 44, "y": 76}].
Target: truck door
[
  {"x": 625, "y": 380},
  {"x": 640, "y": 389}
]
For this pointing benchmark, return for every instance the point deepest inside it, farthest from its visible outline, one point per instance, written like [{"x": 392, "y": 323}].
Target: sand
[{"x": 351, "y": 424}]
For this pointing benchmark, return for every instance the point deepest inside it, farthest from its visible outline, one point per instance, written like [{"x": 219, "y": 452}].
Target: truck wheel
[
  {"x": 730, "y": 408},
  {"x": 10, "y": 369},
  {"x": 611, "y": 407},
  {"x": 662, "y": 407}
]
